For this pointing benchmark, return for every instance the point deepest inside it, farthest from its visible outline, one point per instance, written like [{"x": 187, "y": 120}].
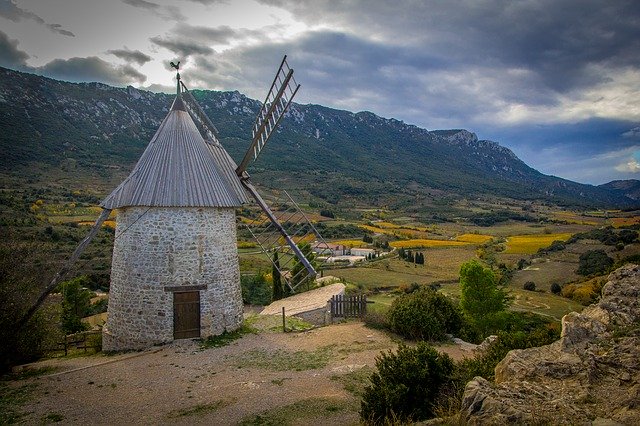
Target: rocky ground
[
  {"x": 311, "y": 377},
  {"x": 590, "y": 376}
]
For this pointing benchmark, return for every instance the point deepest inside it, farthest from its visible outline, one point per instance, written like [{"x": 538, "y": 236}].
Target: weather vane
[{"x": 176, "y": 66}]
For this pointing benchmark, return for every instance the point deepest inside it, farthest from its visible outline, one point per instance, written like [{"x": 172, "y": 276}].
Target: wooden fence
[
  {"x": 83, "y": 340},
  {"x": 348, "y": 306}
]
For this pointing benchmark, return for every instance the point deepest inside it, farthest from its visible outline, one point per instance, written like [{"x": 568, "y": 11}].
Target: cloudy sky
[{"x": 557, "y": 81}]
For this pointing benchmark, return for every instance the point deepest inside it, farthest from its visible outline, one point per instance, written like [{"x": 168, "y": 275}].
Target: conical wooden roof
[{"x": 180, "y": 169}]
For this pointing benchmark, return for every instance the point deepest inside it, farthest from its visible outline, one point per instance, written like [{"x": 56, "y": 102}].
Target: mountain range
[{"x": 89, "y": 134}]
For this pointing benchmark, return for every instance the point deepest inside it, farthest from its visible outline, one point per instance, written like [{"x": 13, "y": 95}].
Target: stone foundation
[{"x": 158, "y": 251}]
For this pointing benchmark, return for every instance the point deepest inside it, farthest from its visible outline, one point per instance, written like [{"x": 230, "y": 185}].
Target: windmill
[{"x": 175, "y": 270}]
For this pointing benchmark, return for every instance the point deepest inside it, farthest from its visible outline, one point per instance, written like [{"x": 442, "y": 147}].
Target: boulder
[{"x": 590, "y": 376}]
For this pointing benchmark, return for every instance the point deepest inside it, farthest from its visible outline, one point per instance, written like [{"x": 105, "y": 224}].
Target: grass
[
  {"x": 200, "y": 409},
  {"x": 11, "y": 400},
  {"x": 308, "y": 411},
  {"x": 531, "y": 243},
  {"x": 544, "y": 274},
  {"x": 227, "y": 337},
  {"x": 281, "y": 360},
  {"x": 425, "y": 243},
  {"x": 355, "y": 381},
  {"x": 441, "y": 264}
]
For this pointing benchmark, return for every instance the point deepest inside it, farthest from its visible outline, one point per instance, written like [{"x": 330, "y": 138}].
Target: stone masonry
[{"x": 160, "y": 250}]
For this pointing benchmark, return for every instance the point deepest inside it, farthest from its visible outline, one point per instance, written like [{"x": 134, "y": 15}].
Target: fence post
[{"x": 284, "y": 322}]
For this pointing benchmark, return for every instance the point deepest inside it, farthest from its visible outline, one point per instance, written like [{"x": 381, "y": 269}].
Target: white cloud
[{"x": 631, "y": 166}]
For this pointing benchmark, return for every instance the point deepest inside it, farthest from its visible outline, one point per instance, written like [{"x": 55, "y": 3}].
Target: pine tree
[
  {"x": 278, "y": 291},
  {"x": 402, "y": 253}
]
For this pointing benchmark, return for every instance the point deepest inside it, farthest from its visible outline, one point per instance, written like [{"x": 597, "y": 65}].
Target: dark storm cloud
[
  {"x": 131, "y": 55},
  {"x": 9, "y": 10},
  {"x": 349, "y": 72},
  {"x": 169, "y": 13},
  {"x": 183, "y": 48},
  {"x": 558, "y": 41},
  {"x": 91, "y": 69},
  {"x": 10, "y": 55}
]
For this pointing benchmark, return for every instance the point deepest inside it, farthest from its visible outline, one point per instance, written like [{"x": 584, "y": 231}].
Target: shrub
[
  {"x": 424, "y": 315},
  {"x": 594, "y": 262},
  {"x": 406, "y": 385},
  {"x": 255, "y": 289},
  {"x": 555, "y": 288},
  {"x": 484, "y": 364},
  {"x": 529, "y": 286}
]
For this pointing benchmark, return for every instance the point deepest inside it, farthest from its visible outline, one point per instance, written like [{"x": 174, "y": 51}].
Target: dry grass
[
  {"x": 424, "y": 243},
  {"x": 571, "y": 217},
  {"x": 619, "y": 222},
  {"x": 529, "y": 244},
  {"x": 441, "y": 264}
]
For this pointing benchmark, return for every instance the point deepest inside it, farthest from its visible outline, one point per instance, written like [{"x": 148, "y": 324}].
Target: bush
[
  {"x": 424, "y": 315},
  {"x": 594, "y": 262},
  {"x": 255, "y": 289},
  {"x": 406, "y": 385},
  {"x": 555, "y": 288},
  {"x": 529, "y": 286},
  {"x": 485, "y": 363}
]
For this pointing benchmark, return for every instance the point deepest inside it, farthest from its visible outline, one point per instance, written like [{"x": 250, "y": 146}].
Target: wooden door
[{"x": 186, "y": 314}]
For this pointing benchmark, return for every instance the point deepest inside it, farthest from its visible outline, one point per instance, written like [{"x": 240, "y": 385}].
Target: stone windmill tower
[
  {"x": 175, "y": 270},
  {"x": 175, "y": 265}
]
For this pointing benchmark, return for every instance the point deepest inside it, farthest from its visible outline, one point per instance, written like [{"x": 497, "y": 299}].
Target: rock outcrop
[{"x": 590, "y": 376}]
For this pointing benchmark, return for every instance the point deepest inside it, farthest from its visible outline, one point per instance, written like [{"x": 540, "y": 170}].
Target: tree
[
  {"x": 278, "y": 291},
  {"x": 555, "y": 288},
  {"x": 22, "y": 273},
  {"x": 481, "y": 300},
  {"x": 529, "y": 285},
  {"x": 594, "y": 262},
  {"x": 76, "y": 303},
  {"x": 402, "y": 253},
  {"x": 298, "y": 273},
  {"x": 406, "y": 385}
]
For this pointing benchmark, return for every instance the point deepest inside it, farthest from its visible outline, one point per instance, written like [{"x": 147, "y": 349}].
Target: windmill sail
[
  {"x": 278, "y": 100},
  {"x": 281, "y": 93}
]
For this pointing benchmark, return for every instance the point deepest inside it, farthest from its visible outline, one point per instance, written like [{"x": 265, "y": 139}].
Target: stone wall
[{"x": 160, "y": 250}]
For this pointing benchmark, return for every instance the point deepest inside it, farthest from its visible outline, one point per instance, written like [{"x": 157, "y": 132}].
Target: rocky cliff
[{"x": 590, "y": 376}]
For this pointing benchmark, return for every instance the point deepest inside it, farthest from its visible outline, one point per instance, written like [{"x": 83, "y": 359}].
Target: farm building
[
  {"x": 324, "y": 249},
  {"x": 362, "y": 252}
]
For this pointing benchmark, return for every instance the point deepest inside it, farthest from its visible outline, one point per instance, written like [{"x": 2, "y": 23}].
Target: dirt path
[{"x": 293, "y": 378}]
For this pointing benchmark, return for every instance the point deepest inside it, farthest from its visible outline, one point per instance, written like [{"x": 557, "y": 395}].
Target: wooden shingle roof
[{"x": 180, "y": 169}]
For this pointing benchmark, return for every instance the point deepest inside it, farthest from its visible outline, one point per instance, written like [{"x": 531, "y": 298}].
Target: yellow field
[
  {"x": 618, "y": 222},
  {"x": 107, "y": 223},
  {"x": 474, "y": 238},
  {"x": 529, "y": 244},
  {"x": 575, "y": 218},
  {"x": 246, "y": 244},
  {"x": 350, "y": 243},
  {"x": 420, "y": 243},
  {"x": 398, "y": 232}
]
